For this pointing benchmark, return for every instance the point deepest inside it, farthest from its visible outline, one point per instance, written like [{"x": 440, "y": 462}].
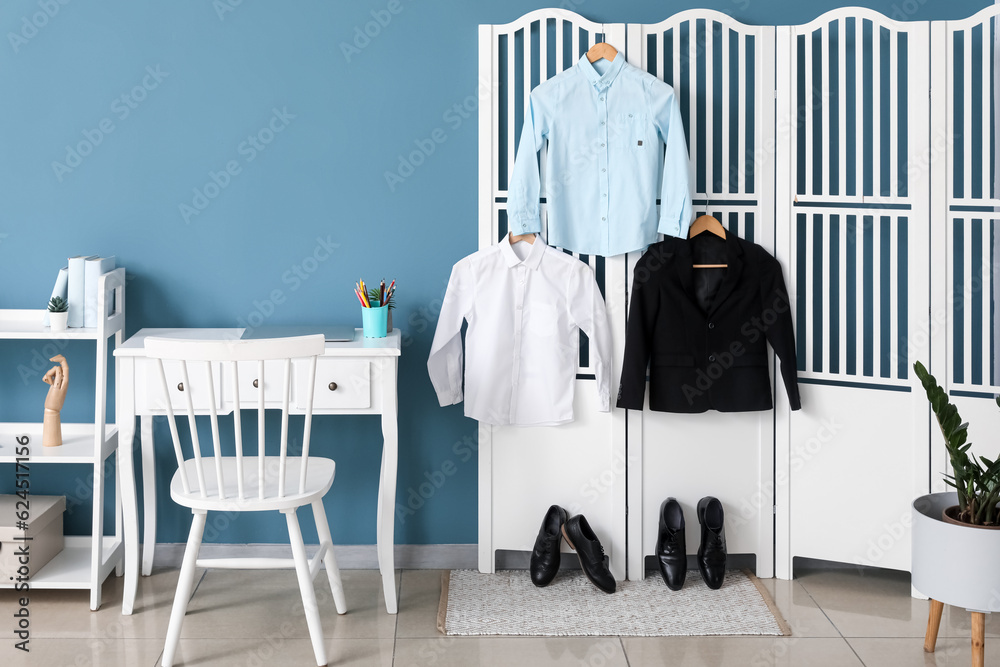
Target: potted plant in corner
[
  {"x": 58, "y": 313},
  {"x": 955, "y": 536}
]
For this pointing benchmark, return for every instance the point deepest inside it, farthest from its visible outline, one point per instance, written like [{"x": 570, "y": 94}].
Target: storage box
[{"x": 45, "y": 528}]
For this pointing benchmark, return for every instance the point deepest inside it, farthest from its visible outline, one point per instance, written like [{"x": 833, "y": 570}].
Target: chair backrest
[{"x": 195, "y": 359}]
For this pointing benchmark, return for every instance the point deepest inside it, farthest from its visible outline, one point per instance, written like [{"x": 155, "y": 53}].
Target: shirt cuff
[
  {"x": 672, "y": 226},
  {"x": 449, "y": 397},
  {"x": 525, "y": 223}
]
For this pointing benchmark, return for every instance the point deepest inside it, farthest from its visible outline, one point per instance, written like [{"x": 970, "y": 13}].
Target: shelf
[
  {"x": 27, "y": 325},
  {"x": 77, "y": 447},
  {"x": 71, "y": 567}
]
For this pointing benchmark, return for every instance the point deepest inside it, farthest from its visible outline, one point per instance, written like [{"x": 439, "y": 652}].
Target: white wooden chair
[{"x": 214, "y": 482}]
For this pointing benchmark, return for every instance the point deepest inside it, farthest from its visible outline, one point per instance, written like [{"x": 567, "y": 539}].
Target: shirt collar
[
  {"x": 601, "y": 81},
  {"x": 533, "y": 259}
]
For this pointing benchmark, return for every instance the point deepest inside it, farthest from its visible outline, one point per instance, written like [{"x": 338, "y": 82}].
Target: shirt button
[
  {"x": 711, "y": 325},
  {"x": 602, "y": 122},
  {"x": 603, "y": 218},
  {"x": 602, "y": 145},
  {"x": 602, "y": 99},
  {"x": 519, "y": 308},
  {"x": 605, "y": 194},
  {"x": 711, "y": 357},
  {"x": 603, "y": 169}
]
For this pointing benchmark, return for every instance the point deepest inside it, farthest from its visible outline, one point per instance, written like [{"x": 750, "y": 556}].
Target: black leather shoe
[
  {"x": 545, "y": 556},
  {"x": 671, "y": 547},
  {"x": 582, "y": 539},
  {"x": 712, "y": 552}
]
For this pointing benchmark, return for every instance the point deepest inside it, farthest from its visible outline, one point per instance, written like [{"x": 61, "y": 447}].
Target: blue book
[
  {"x": 94, "y": 268},
  {"x": 75, "y": 290}
]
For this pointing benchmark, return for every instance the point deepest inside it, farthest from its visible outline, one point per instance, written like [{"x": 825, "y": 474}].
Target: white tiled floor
[{"x": 839, "y": 617}]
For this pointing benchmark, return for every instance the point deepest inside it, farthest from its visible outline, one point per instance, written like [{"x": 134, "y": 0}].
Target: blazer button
[
  {"x": 711, "y": 325},
  {"x": 711, "y": 357}
]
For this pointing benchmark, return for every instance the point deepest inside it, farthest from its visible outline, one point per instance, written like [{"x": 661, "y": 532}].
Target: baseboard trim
[{"x": 349, "y": 557}]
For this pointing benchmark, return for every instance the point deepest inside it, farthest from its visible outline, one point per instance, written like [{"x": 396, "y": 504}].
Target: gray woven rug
[{"x": 507, "y": 603}]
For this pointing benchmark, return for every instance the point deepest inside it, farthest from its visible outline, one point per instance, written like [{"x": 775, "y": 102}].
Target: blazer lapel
[
  {"x": 734, "y": 258},
  {"x": 682, "y": 264}
]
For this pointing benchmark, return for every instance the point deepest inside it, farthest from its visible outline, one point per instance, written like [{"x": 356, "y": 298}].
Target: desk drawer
[
  {"x": 340, "y": 383},
  {"x": 197, "y": 386},
  {"x": 274, "y": 379}
]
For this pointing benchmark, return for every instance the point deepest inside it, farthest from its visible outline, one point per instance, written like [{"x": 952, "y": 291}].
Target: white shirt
[{"x": 525, "y": 306}]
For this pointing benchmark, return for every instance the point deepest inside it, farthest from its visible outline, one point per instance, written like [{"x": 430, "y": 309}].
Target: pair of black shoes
[
  {"x": 556, "y": 526},
  {"x": 671, "y": 549}
]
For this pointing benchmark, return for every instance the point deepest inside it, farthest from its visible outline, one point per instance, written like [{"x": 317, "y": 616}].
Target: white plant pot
[
  {"x": 954, "y": 564},
  {"x": 57, "y": 321}
]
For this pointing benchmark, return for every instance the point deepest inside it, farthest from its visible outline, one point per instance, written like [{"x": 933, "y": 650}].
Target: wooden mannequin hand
[{"x": 57, "y": 378}]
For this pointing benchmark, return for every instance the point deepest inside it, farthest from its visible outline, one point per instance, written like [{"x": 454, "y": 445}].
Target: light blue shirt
[{"x": 615, "y": 142}]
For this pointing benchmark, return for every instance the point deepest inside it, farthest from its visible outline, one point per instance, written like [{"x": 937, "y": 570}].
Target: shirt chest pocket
[
  {"x": 543, "y": 319},
  {"x": 631, "y": 131}
]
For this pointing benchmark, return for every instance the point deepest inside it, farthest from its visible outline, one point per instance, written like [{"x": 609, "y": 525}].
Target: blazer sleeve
[
  {"x": 638, "y": 335},
  {"x": 586, "y": 306},
  {"x": 781, "y": 334},
  {"x": 444, "y": 365}
]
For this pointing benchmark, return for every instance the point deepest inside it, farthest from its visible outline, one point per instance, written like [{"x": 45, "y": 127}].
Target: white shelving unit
[{"x": 86, "y": 561}]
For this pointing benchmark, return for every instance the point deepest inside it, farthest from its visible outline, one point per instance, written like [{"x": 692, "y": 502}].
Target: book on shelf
[
  {"x": 75, "y": 289},
  {"x": 59, "y": 289},
  {"x": 94, "y": 268}
]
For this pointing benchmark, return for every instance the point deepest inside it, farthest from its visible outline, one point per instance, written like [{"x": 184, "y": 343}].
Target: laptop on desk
[{"x": 332, "y": 332}]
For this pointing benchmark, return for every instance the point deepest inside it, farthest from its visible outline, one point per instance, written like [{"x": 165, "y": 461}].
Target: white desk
[{"x": 357, "y": 377}]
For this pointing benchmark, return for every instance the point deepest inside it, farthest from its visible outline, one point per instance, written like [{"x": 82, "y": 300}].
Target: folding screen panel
[
  {"x": 963, "y": 313},
  {"x": 723, "y": 74},
  {"x": 580, "y": 466},
  {"x": 852, "y": 229}
]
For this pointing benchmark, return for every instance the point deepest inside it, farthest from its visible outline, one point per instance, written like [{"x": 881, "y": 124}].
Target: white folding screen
[
  {"x": 965, "y": 217},
  {"x": 859, "y": 150},
  {"x": 722, "y": 73},
  {"x": 580, "y": 466},
  {"x": 852, "y": 230}
]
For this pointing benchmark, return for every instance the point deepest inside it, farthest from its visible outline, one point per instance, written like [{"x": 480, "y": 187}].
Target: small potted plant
[
  {"x": 58, "y": 313},
  {"x": 955, "y": 541}
]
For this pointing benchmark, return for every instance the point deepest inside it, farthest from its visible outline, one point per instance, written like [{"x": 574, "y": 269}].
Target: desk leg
[
  {"x": 148, "y": 494},
  {"x": 387, "y": 483},
  {"x": 125, "y": 415}
]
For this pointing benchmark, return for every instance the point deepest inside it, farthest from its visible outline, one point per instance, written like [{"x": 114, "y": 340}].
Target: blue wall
[{"x": 200, "y": 78}]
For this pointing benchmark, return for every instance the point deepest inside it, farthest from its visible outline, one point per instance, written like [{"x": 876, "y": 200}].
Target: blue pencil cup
[{"x": 374, "y": 321}]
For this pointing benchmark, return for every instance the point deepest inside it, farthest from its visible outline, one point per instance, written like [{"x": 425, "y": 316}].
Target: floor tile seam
[
  {"x": 621, "y": 641},
  {"x": 854, "y": 651},
  {"x": 820, "y": 607}
]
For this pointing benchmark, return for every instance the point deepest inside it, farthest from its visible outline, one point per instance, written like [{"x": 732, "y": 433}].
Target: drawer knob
[
  {"x": 255, "y": 384},
  {"x": 180, "y": 386},
  {"x": 333, "y": 386}
]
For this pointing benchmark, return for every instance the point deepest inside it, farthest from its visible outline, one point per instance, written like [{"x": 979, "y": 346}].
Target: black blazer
[{"x": 703, "y": 331}]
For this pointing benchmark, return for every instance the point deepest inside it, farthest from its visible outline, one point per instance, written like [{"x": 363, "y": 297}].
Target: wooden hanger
[
  {"x": 602, "y": 50},
  {"x": 529, "y": 238},
  {"x": 706, "y": 223}
]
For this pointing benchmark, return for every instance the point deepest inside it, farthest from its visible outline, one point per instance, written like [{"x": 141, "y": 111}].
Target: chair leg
[
  {"x": 306, "y": 587},
  {"x": 185, "y": 584},
  {"x": 978, "y": 639},
  {"x": 933, "y": 623},
  {"x": 332, "y": 571}
]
